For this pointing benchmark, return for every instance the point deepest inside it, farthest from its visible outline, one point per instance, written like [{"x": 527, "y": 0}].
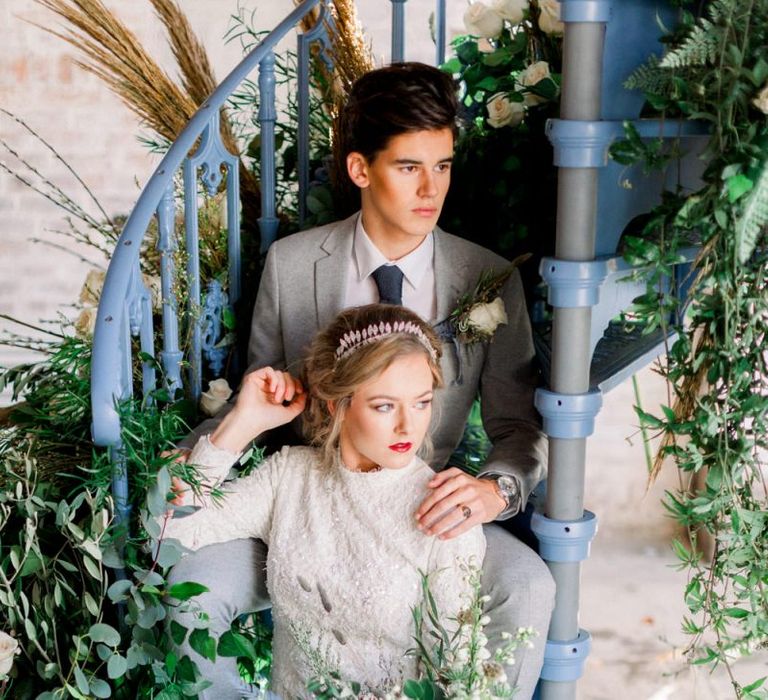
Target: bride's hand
[{"x": 268, "y": 398}]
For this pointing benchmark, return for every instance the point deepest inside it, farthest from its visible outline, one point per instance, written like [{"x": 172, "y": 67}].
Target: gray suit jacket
[{"x": 302, "y": 289}]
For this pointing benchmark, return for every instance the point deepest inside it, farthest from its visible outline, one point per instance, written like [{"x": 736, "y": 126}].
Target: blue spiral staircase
[{"x": 582, "y": 350}]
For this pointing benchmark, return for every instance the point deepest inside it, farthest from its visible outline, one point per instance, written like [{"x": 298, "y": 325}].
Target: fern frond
[
  {"x": 754, "y": 219},
  {"x": 698, "y": 49},
  {"x": 649, "y": 77}
]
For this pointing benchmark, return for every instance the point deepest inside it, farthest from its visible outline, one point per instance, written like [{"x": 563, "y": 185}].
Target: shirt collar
[{"x": 368, "y": 257}]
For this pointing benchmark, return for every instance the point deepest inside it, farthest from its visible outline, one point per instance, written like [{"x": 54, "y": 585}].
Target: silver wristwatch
[{"x": 508, "y": 488}]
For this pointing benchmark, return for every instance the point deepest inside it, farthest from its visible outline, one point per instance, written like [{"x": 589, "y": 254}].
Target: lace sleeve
[{"x": 244, "y": 509}]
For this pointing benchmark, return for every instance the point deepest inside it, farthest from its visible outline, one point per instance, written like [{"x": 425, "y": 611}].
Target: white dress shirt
[{"x": 418, "y": 268}]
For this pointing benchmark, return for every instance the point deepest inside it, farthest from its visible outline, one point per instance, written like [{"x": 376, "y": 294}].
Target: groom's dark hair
[{"x": 394, "y": 100}]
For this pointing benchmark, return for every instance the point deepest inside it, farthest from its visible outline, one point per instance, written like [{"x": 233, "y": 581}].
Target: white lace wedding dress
[{"x": 344, "y": 561}]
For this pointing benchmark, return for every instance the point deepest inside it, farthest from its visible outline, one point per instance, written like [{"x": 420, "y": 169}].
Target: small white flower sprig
[
  {"x": 480, "y": 312},
  {"x": 353, "y": 340},
  {"x": 461, "y": 665}
]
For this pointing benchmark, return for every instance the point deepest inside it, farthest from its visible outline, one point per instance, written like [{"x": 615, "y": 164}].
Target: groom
[{"x": 397, "y": 132}]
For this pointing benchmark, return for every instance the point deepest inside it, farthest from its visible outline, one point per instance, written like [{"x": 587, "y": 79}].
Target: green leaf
[
  {"x": 119, "y": 590},
  {"x": 736, "y": 613},
  {"x": 738, "y": 186},
  {"x": 412, "y": 689},
  {"x": 237, "y": 645},
  {"x": 228, "y": 319},
  {"x": 178, "y": 632},
  {"x": 102, "y": 632},
  {"x": 186, "y": 590},
  {"x": 100, "y": 688},
  {"x": 82, "y": 682},
  {"x": 117, "y": 666},
  {"x": 202, "y": 642}
]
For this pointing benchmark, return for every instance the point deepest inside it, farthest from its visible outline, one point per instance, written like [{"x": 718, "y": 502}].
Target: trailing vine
[{"x": 715, "y": 428}]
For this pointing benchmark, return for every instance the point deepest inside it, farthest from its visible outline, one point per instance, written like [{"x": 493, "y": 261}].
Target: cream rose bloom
[
  {"x": 213, "y": 400},
  {"x": 85, "y": 323},
  {"x": 511, "y": 10},
  {"x": 9, "y": 647},
  {"x": 504, "y": 112},
  {"x": 481, "y": 20},
  {"x": 531, "y": 76},
  {"x": 91, "y": 291},
  {"x": 761, "y": 101},
  {"x": 485, "y": 318},
  {"x": 549, "y": 19}
]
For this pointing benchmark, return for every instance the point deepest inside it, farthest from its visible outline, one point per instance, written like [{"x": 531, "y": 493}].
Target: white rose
[
  {"x": 761, "y": 101},
  {"x": 531, "y": 76},
  {"x": 86, "y": 322},
  {"x": 9, "y": 647},
  {"x": 504, "y": 112},
  {"x": 549, "y": 19},
  {"x": 481, "y": 20},
  {"x": 511, "y": 10},
  {"x": 485, "y": 318},
  {"x": 91, "y": 291},
  {"x": 213, "y": 400}
]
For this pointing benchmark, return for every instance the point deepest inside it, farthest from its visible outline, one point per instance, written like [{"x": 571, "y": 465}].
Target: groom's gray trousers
[{"x": 517, "y": 581}]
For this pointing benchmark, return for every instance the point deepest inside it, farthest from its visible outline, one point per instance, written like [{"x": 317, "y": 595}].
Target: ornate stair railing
[{"x": 125, "y": 308}]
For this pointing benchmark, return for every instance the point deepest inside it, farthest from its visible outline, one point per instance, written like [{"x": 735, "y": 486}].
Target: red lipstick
[{"x": 401, "y": 447}]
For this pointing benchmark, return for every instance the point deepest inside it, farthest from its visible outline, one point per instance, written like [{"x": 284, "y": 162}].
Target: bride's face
[{"x": 388, "y": 417}]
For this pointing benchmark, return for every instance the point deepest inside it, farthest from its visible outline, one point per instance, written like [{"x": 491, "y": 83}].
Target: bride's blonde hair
[{"x": 334, "y": 371}]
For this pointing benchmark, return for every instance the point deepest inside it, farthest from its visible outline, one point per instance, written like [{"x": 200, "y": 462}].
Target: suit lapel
[
  {"x": 450, "y": 274},
  {"x": 331, "y": 271}
]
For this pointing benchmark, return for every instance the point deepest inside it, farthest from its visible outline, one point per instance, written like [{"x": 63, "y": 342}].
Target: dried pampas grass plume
[{"x": 115, "y": 55}]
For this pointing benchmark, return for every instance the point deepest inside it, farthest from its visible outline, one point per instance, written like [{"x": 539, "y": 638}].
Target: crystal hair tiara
[{"x": 353, "y": 340}]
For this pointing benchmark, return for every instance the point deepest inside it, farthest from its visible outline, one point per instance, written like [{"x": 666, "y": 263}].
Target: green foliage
[{"x": 717, "y": 429}]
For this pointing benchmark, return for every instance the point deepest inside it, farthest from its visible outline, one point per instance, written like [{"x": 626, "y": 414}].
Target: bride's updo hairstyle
[{"x": 360, "y": 344}]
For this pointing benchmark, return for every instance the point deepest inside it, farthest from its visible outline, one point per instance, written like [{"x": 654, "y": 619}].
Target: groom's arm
[{"x": 507, "y": 387}]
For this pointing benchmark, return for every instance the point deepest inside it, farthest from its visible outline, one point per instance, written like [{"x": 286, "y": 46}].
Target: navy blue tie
[{"x": 389, "y": 280}]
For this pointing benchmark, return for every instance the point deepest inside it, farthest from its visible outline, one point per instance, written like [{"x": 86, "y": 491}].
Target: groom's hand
[{"x": 457, "y": 503}]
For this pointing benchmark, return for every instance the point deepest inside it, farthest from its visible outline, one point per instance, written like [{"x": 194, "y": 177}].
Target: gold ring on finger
[{"x": 466, "y": 511}]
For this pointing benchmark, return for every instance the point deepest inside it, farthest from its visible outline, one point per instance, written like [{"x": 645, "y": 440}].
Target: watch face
[{"x": 508, "y": 486}]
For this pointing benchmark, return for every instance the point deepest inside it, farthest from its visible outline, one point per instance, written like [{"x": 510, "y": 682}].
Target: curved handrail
[{"x": 110, "y": 319}]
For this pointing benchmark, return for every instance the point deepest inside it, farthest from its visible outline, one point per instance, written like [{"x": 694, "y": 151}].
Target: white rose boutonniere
[
  {"x": 213, "y": 400},
  {"x": 9, "y": 647},
  {"x": 485, "y": 318},
  {"x": 504, "y": 112},
  {"x": 480, "y": 312},
  {"x": 480, "y": 20}
]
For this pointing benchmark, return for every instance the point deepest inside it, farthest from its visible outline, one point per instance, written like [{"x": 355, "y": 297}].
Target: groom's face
[{"x": 403, "y": 188}]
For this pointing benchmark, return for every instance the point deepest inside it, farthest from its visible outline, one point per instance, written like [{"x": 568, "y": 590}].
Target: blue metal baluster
[
  {"x": 211, "y": 323},
  {"x": 140, "y": 322},
  {"x": 193, "y": 275},
  {"x": 440, "y": 31},
  {"x": 233, "y": 231},
  {"x": 318, "y": 32},
  {"x": 398, "y": 30},
  {"x": 170, "y": 356},
  {"x": 268, "y": 222}
]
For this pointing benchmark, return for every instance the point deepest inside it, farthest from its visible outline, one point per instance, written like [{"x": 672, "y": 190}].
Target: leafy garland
[{"x": 715, "y": 427}]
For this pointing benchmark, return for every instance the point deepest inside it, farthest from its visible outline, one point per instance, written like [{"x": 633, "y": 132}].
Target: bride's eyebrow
[{"x": 384, "y": 397}]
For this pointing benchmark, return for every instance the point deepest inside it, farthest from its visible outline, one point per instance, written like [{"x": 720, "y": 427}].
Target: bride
[{"x": 345, "y": 549}]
